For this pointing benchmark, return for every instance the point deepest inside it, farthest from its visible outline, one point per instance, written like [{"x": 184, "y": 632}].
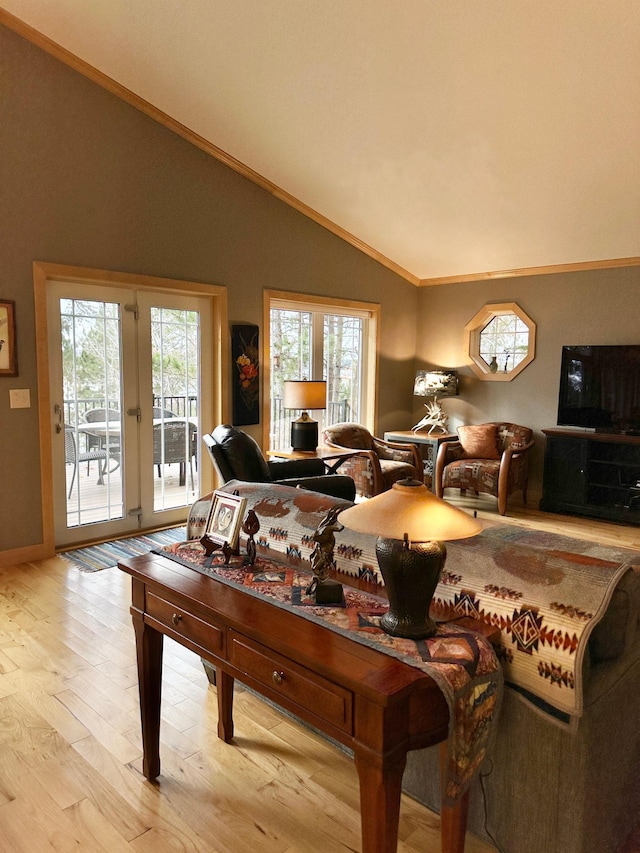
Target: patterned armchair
[
  {"x": 379, "y": 465},
  {"x": 491, "y": 458}
]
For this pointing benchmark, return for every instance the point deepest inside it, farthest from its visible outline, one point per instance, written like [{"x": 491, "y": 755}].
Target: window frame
[
  {"x": 474, "y": 328},
  {"x": 369, "y": 311}
]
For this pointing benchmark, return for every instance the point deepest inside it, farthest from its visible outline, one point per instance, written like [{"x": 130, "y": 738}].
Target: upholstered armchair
[
  {"x": 380, "y": 464},
  {"x": 237, "y": 456},
  {"x": 491, "y": 458}
]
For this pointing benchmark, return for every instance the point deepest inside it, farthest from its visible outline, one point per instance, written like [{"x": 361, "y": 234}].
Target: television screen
[{"x": 600, "y": 388}]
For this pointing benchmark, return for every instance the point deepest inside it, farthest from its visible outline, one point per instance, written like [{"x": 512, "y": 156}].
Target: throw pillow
[{"x": 479, "y": 442}]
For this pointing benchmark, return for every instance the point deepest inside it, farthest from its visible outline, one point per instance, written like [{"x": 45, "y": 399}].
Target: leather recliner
[{"x": 237, "y": 456}]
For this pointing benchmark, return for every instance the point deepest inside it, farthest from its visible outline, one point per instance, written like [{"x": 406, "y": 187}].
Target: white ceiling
[{"x": 453, "y": 137}]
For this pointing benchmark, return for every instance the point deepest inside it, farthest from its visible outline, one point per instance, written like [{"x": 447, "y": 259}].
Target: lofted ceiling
[{"x": 450, "y": 139}]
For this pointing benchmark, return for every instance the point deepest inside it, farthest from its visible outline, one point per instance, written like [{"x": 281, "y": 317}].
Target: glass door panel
[
  {"x": 176, "y": 382},
  {"x": 175, "y": 336},
  {"x": 92, "y": 408},
  {"x": 86, "y": 343}
]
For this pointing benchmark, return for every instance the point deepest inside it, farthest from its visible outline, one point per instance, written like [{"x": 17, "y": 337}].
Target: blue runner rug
[{"x": 106, "y": 555}]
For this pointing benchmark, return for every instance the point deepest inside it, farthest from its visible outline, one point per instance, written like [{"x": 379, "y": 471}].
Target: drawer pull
[
  {"x": 277, "y": 677},
  {"x": 176, "y": 619}
]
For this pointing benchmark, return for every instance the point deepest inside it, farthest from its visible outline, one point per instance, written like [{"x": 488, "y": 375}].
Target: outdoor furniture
[
  {"x": 159, "y": 413},
  {"x": 96, "y": 441},
  {"x": 237, "y": 456},
  {"x": 380, "y": 464},
  {"x": 491, "y": 458},
  {"x": 99, "y": 454},
  {"x": 175, "y": 440}
]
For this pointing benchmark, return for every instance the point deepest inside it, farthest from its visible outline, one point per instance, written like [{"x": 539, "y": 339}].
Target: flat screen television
[{"x": 600, "y": 388}]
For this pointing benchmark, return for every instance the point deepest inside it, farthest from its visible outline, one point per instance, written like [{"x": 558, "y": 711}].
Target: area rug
[{"x": 106, "y": 555}]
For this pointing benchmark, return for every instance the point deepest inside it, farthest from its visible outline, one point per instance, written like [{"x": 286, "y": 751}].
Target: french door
[{"x": 129, "y": 383}]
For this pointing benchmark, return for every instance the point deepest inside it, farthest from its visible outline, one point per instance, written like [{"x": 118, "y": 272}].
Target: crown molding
[{"x": 581, "y": 266}]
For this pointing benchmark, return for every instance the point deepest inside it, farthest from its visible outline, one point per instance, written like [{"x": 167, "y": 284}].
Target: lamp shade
[
  {"x": 305, "y": 394},
  {"x": 408, "y": 507},
  {"x": 437, "y": 383}
]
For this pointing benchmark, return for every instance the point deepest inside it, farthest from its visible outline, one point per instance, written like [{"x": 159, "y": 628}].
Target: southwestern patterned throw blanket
[{"x": 546, "y": 593}]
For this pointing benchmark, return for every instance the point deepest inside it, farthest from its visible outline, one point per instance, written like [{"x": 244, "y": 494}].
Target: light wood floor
[{"x": 70, "y": 758}]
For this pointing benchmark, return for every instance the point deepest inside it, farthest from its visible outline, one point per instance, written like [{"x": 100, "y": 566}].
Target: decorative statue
[
  {"x": 327, "y": 591},
  {"x": 251, "y": 526},
  {"x": 435, "y": 416}
]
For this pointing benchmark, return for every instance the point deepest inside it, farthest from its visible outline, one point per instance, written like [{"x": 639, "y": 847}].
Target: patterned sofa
[{"x": 565, "y": 770}]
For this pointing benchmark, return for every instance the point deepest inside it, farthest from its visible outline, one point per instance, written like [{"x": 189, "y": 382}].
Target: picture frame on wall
[
  {"x": 225, "y": 519},
  {"x": 8, "y": 350}
]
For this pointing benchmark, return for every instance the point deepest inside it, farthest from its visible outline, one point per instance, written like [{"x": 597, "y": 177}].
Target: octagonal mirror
[{"x": 500, "y": 341}]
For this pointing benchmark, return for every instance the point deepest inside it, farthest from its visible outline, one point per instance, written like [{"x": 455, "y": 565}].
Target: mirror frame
[{"x": 474, "y": 329}]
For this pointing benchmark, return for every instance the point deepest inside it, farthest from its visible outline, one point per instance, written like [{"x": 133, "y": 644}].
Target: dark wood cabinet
[{"x": 592, "y": 474}]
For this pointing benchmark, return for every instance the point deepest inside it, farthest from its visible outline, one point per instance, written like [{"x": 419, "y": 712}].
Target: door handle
[{"x": 57, "y": 409}]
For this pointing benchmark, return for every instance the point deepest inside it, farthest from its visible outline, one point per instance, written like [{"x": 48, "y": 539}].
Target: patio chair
[
  {"x": 159, "y": 413},
  {"x": 175, "y": 440},
  {"x": 95, "y": 441},
  {"x": 99, "y": 454}
]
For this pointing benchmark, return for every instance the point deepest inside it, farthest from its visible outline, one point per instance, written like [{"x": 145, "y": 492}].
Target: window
[
  {"x": 314, "y": 338},
  {"x": 500, "y": 341}
]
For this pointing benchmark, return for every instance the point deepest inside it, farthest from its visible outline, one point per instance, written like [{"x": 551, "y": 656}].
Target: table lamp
[
  {"x": 410, "y": 522},
  {"x": 436, "y": 383},
  {"x": 304, "y": 394}
]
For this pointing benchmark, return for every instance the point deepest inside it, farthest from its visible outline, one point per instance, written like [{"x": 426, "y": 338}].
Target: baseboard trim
[{"x": 25, "y": 555}]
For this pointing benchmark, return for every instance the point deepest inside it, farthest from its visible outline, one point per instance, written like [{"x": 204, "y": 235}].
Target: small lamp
[
  {"x": 304, "y": 394},
  {"x": 411, "y": 523},
  {"x": 436, "y": 383}
]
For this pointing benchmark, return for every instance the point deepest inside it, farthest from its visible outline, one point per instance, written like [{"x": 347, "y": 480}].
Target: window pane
[{"x": 338, "y": 360}]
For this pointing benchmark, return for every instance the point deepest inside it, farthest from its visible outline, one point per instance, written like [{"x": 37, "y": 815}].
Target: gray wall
[
  {"x": 88, "y": 181},
  {"x": 595, "y": 307}
]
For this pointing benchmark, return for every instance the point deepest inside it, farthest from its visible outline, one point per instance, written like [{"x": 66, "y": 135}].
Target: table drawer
[
  {"x": 203, "y": 633},
  {"x": 292, "y": 681}
]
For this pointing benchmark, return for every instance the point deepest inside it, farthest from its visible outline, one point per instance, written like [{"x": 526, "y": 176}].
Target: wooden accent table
[
  {"x": 332, "y": 457},
  {"x": 428, "y": 444},
  {"x": 374, "y": 703}
]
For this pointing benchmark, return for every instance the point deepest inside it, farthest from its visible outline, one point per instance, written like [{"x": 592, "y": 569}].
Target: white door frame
[{"x": 218, "y": 406}]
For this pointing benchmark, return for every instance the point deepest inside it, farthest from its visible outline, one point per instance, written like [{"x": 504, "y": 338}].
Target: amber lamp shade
[
  {"x": 304, "y": 394},
  {"x": 411, "y": 524}
]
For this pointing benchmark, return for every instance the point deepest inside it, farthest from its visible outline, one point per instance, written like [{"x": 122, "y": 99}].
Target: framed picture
[
  {"x": 8, "y": 354},
  {"x": 225, "y": 518},
  {"x": 245, "y": 354}
]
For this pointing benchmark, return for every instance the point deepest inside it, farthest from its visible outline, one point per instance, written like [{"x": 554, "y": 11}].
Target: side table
[
  {"x": 331, "y": 456},
  {"x": 428, "y": 443}
]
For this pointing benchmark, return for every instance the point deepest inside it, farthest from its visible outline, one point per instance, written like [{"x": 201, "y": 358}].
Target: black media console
[{"x": 592, "y": 474}]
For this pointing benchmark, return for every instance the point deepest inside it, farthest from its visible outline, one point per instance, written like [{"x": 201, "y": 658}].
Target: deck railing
[{"x": 182, "y": 406}]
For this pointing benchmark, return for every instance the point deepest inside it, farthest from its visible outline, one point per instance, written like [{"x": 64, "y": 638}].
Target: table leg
[
  {"x": 453, "y": 819},
  {"x": 380, "y": 789},
  {"x": 149, "y": 658},
  {"x": 224, "y": 686}
]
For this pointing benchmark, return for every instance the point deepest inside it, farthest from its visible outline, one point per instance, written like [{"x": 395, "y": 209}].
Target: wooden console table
[{"x": 376, "y": 704}]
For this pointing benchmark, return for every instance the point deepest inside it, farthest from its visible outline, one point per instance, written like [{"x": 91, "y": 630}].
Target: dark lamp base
[
  {"x": 304, "y": 435},
  {"x": 410, "y": 576}
]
